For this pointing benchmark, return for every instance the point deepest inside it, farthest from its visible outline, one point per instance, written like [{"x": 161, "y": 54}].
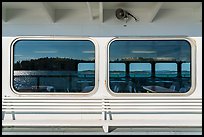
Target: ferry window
[
  {"x": 151, "y": 66},
  {"x": 56, "y": 66},
  {"x": 166, "y": 69},
  {"x": 140, "y": 70}
]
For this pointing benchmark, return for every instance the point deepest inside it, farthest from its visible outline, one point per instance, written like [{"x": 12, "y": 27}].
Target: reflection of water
[
  {"x": 50, "y": 73},
  {"x": 158, "y": 74},
  {"x": 24, "y": 82},
  {"x": 60, "y": 80},
  {"x": 148, "y": 74}
]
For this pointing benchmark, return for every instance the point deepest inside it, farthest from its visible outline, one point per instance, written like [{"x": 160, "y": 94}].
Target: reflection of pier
[{"x": 152, "y": 62}]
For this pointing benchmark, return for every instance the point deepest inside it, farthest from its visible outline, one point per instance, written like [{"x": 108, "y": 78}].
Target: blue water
[
  {"x": 60, "y": 80},
  {"x": 145, "y": 74},
  {"x": 63, "y": 80}
]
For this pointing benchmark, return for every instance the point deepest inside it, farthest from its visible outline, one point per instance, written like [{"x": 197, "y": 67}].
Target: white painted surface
[
  {"x": 102, "y": 90},
  {"x": 147, "y": 29},
  {"x": 73, "y": 19}
]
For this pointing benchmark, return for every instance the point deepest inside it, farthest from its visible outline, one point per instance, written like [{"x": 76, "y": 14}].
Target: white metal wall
[
  {"x": 148, "y": 29},
  {"x": 102, "y": 91}
]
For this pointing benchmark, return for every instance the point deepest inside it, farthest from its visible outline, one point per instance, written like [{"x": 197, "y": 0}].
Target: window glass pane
[
  {"x": 166, "y": 69},
  {"x": 117, "y": 75},
  {"x": 117, "y": 70},
  {"x": 140, "y": 70},
  {"x": 54, "y": 66},
  {"x": 151, "y": 66},
  {"x": 86, "y": 75},
  {"x": 185, "y": 69}
]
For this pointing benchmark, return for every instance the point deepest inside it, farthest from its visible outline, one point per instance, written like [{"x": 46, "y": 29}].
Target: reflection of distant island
[
  {"x": 140, "y": 72},
  {"x": 48, "y": 64},
  {"x": 117, "y": 71},
  {"x": 87, "y": 72},
  {"x": 130, "y": 71},
  {"x": 145, "y": 59},
  {"x": 148, "y": 72}
]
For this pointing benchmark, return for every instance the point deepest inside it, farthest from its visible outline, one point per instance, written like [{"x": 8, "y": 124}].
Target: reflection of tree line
[
  {"x": 144, "y": 59},
  {"x": 48, "y": 64}
]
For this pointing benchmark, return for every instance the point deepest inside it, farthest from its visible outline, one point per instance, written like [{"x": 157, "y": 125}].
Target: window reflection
[
  {"x": 140, "y": 69},
  {"x": 185, "y": 69},
  {"x": 151, "y": 66},
  {"x": 54, "y": 66},
  {"x": 166, "y": 69},
  {"x": 117, "y": 70}
]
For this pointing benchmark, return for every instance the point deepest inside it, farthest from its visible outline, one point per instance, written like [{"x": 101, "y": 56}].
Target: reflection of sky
[
  {"x": 140, "y": 67},
  {"x": 185, "y": 66},
  {"x": 147, "y": 66},
  {"x": 117, "y": 67},
  {"x": 33, "y": 49},
  {"x": 166, "y": 66},
  {"x": 86, "y": 66},
  {"x": 179, "y": 49}
]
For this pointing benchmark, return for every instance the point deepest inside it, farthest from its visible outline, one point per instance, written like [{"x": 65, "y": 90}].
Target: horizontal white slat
[
  {"x": 55, "y": 101},
  {"x": 48, "y": 98},
  {"x": 149, "y": 111},
  {"x": 97, "y": 100},
  {"x": 128, "y": 98},
  {"x": 58, "y": 123},
  {"x": 70, "y": 103},
  {"x": 154, "y": 107},
  {"x": 154, "y": 98},
  {"x": 153, "y": 104},
  {"x": 51, "y": 107},
  {"x": 52, "y": 104},
  {"x": 149, "y": 104},
  {"x": 123, "y": 101},
  {"x": 156, "y": 111},
  {"x": 107, "y": 107},
  {"x": 153, "y": 101},
  {"x": 52, "y": 110}
]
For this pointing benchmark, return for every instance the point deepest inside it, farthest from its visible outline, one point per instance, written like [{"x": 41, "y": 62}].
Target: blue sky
[
  {"x": 26, "y": 50},
  {"x": 140, "y": 67},
  {"x": 117, "y": 67},
  {"x": 147, "y": 66},
  {"x": 166, "y": 66},
  {"x": 86, "y": 66},
  {"x": 136, "y": 66},
  {"x": 185, "y": 66},
  {"x": 178, "y": 50}
]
